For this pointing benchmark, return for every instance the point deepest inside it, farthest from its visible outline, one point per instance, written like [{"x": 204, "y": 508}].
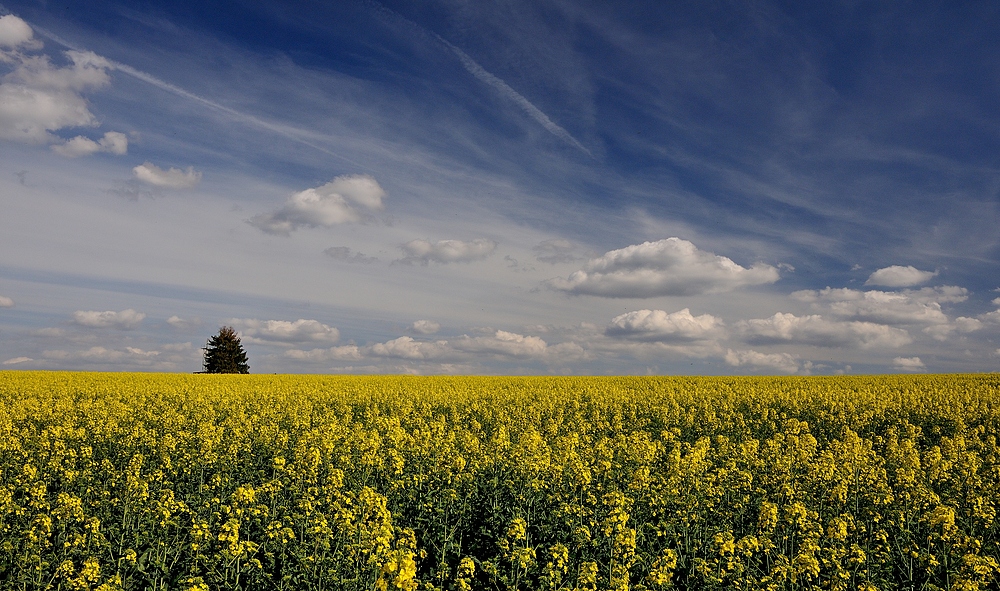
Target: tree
[{"x": 225, "y": 354}]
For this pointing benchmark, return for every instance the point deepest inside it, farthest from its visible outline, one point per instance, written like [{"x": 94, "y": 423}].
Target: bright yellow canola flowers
[{"x": 131, "y": 481}]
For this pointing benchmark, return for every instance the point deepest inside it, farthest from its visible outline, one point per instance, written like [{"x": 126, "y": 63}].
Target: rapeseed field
[{"x": 194, "y": 482}]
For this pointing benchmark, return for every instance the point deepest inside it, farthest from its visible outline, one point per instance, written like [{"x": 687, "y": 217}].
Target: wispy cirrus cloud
[
  {"x": 345, "y": 254},
  {"x": 123, "y": 320},
  {"x": 558, "y": 250},
  {"x": 509, "y": 93}
]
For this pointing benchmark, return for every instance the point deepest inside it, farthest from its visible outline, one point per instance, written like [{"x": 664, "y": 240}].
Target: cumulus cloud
[
  {"x": 183, "y": 323},
  {"x": 17, "y": 360},
  {"x": 815, "y": 330},
  {"x": 501, "y": 345},
  {"x": 6, "y": 302},
  {"x": 991, "y": 317},
  {"x": 342, "y": 200},
  {"x": 447, "y": 251},
  {"x": 557, "y": 251},
  {"x": 921, "y": 306},
  {"x": 908, "y": 364},
  {"x": 174, "y": 178},
  {"x": 14, "y": 32},
  {"x": 783, "y": 362},
  {"x": 284, "y": 331},
  {"x": 898, "y": 276},
  {"x": 340, "y": 353},
  {"x": 425, "y": 327},
  {"x": 124, "y": 320},
  {"x": 408, "y": 348},
  {"x": 113, "y": 142},
  {"x": 38, "y": 98},
  {"x": 670, "y": 267},
  {"x": 104, "y": 355},
  {"x": 962, "y": 324},
  {"x": 343, "y": 253},
  {"x": 657, "y": 325}
]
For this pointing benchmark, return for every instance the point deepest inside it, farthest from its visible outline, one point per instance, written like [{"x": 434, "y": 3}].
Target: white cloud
[
  {"x": 962, "y": 324},
  {"x": 6, "y": 302},
  {"x": 124, "y": 320},
  {"x": 139, "y": 352},
  {"x": 921, "y": 306},
  {"x": 341, "y": 353},
  {"x": 340, "y": 201},
  {"x": 991, "y": 317},
  {"x": 343, "y": 253},
  {"x": 38, "y": 98},
  {"x": 657, "y": 325},
  {"x": 942, "y": 294},
  {"x": 113, "y": 142},
  {"x": 14, "y": 32},
  {"x": 104, "y": 355},
  {"x": 908, "y": 364},
  {"x": 17, "y": 360},
  {"x": 183, "y": 323},
  {"x": 815, "y": 330},
  {"x": 447, "y": 251},
  {"x": 500, "y": 345},
  {"x": 898, "y": 276},
  {"x": 425, "y": 327},
  {"x": 783, "y": 362},
  {"x": 284, "y": 331},
  {"x": 408, "y": 348},
  {"x": 670, "y": 267},
  {"x": 173, "y": 178}
]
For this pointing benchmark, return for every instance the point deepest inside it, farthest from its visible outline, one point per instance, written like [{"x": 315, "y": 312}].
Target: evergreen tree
[{"x": 225, "y": 354}]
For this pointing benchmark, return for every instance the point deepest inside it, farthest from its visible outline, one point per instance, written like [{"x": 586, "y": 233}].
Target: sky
[{"x": 501, "y": 187}]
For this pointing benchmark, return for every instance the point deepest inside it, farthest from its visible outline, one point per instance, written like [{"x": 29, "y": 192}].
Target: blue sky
[{"x": 501, "y": 187}]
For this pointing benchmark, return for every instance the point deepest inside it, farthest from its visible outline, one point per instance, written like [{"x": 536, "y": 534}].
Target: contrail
[
  {"x": 504, "y": 89},
  {"x": 287, "y": 131},
  {"x": 489, "y": 79}
]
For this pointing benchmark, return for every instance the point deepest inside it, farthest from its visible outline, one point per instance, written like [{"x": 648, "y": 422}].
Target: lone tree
[{"x": 225, "y": 354}]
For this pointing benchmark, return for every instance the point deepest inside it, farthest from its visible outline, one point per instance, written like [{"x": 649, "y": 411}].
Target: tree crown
[{"x": 225, "y": 354}]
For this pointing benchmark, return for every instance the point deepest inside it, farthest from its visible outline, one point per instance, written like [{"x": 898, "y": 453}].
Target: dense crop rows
[{"x": 132, "y": 481}]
